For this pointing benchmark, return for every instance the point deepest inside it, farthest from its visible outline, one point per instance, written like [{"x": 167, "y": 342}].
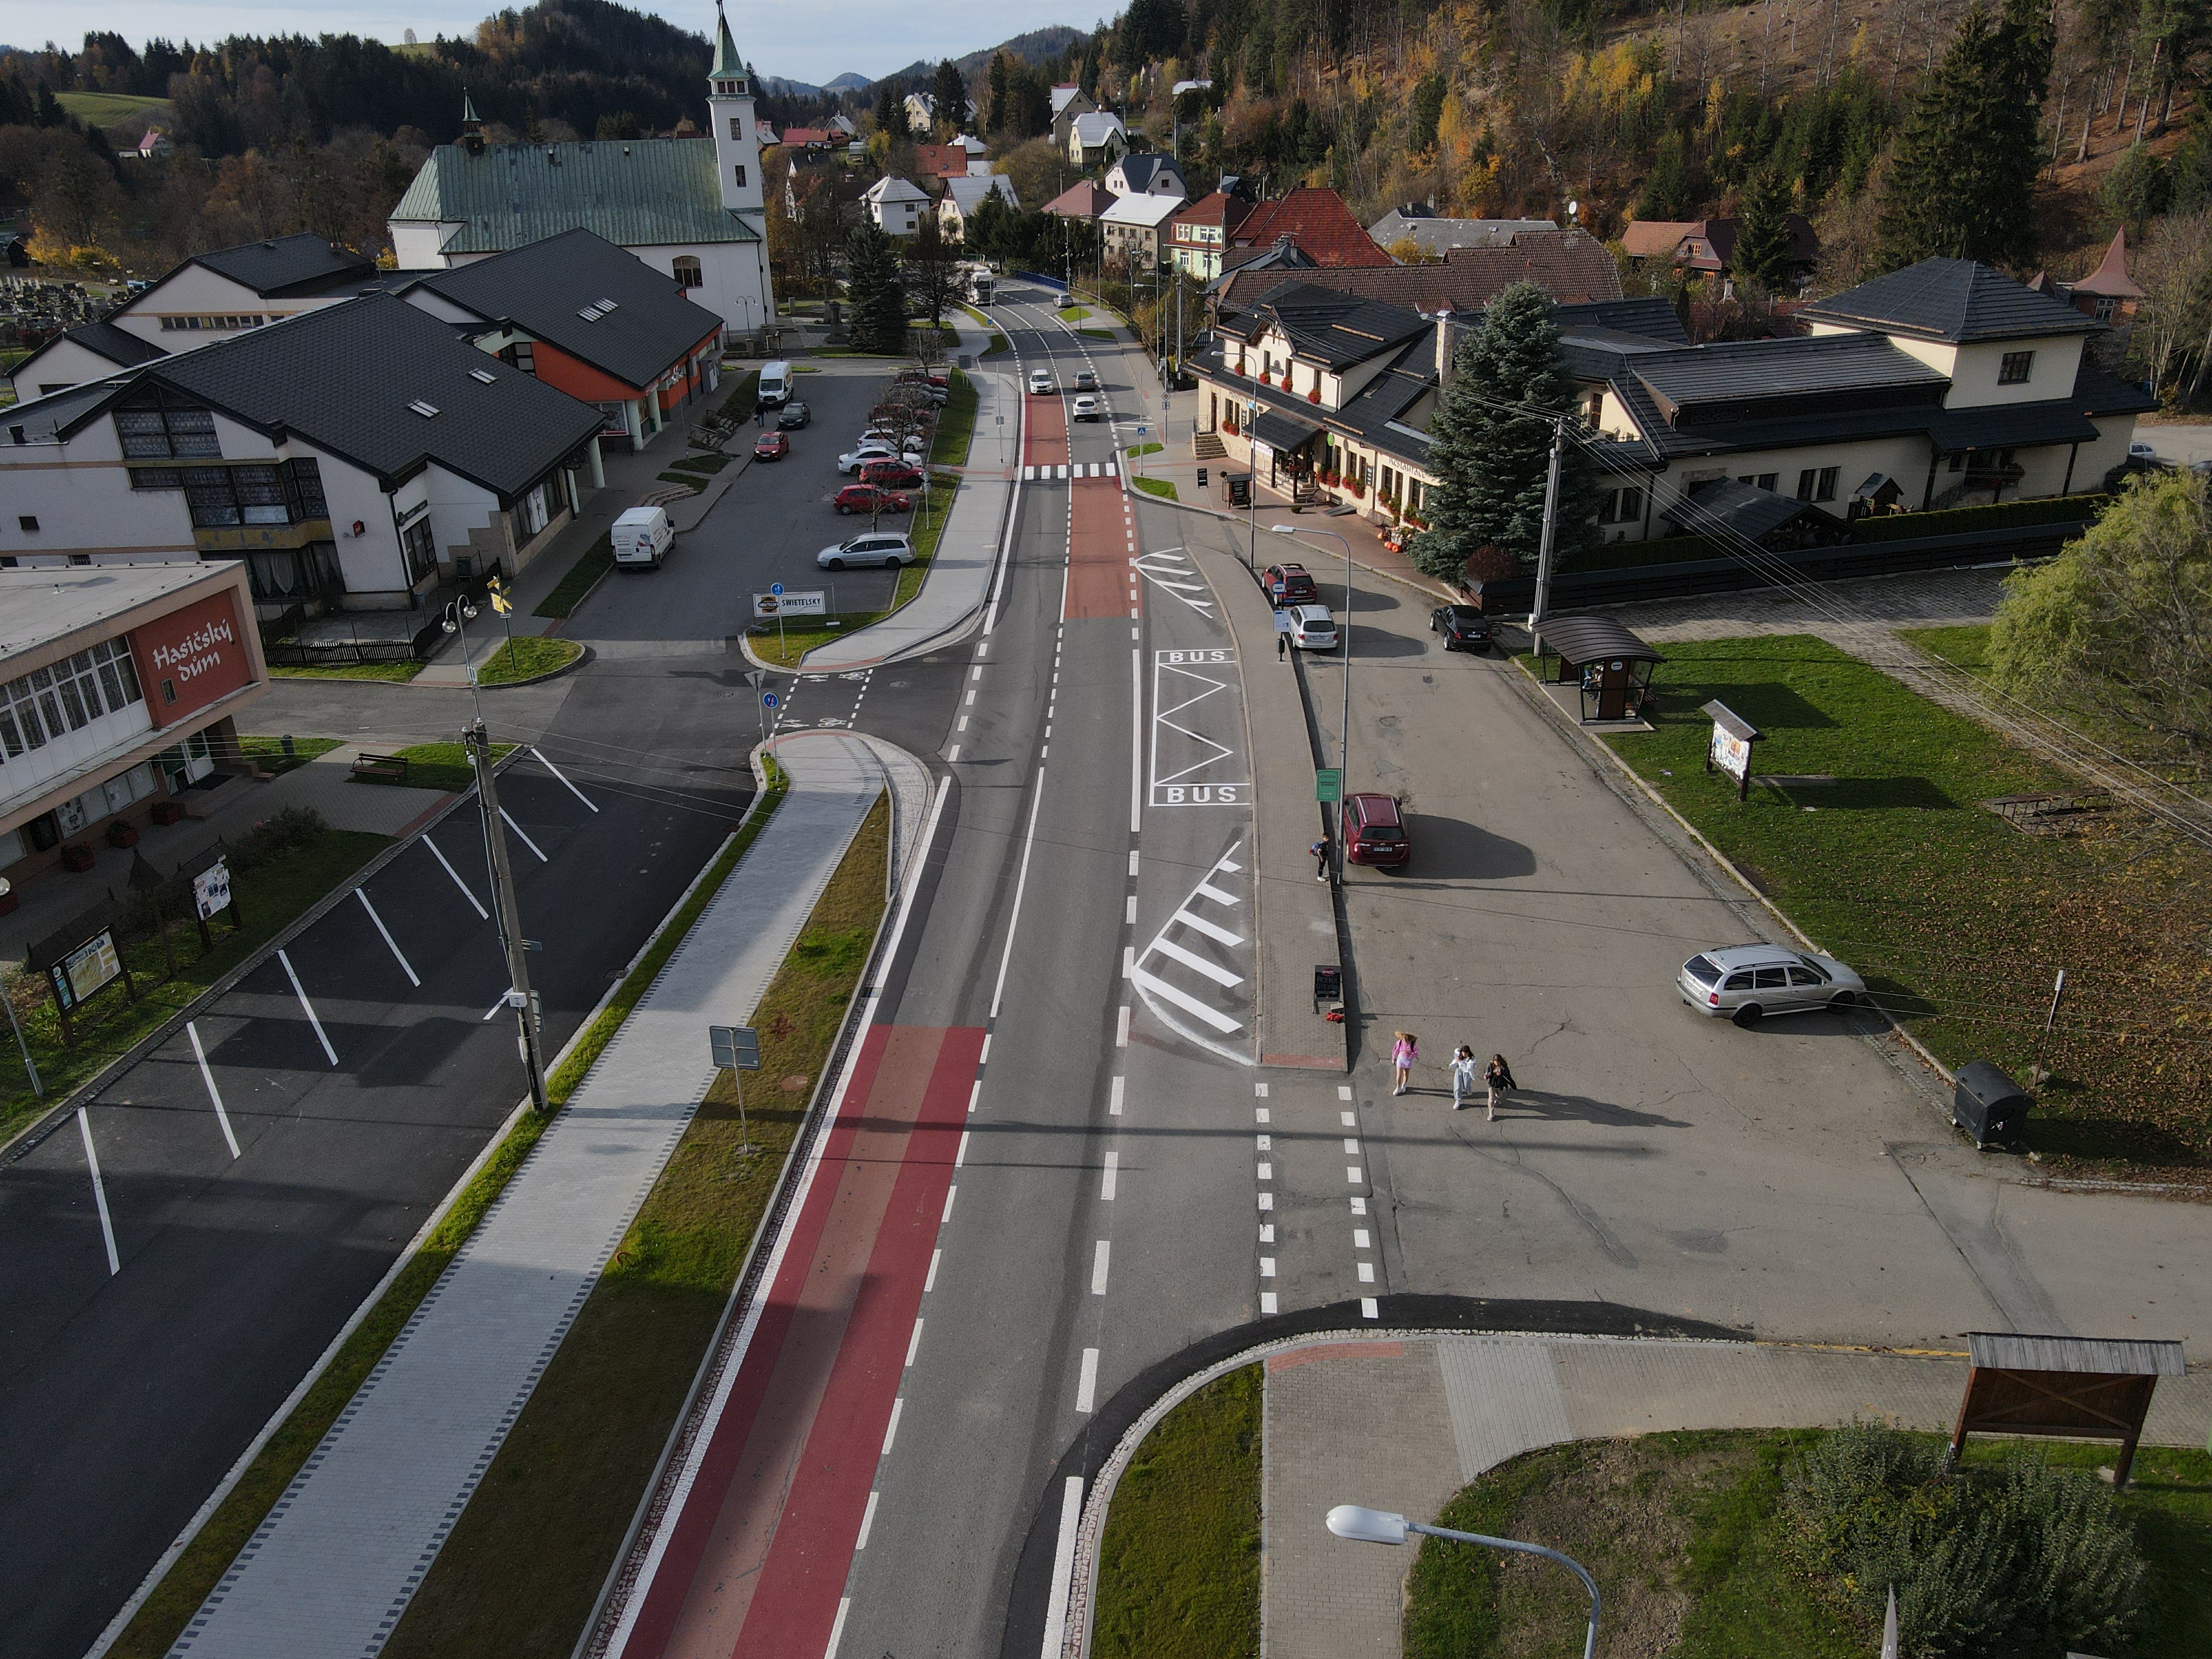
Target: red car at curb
[
  {"x": 771, "y": 446},
  {"x": 867, "y": 498}
]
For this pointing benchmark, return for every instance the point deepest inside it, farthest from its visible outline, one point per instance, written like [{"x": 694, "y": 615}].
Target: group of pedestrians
[{"x": 1497, "y": 1077}]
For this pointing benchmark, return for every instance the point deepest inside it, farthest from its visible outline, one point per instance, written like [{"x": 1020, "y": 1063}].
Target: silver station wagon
[{"x": 1748, "y": 982}]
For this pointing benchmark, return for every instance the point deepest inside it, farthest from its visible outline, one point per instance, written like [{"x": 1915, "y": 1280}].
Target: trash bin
[{"x": 1989, "y": 1105}]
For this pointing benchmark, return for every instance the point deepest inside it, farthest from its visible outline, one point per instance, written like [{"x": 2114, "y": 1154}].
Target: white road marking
[
  {"x": 571, "y": 787},
  {"x": 1114, "y": 1104},
  {"x": 1063, "y": 1568},
  {"x": 1267, "y": 1267},
  {"x": 1267, "y": 1233},
  {"x": 962, "y": 724},
  {"x": 207, "y": 1075},
  {"x": 1128, "y": 959},
  {"x": 1196, "y": 963},
  {"x": 891, "y": 1429},
  {"x": 1359, "y": 1236},
  {"x": 1021, "y": 887},
  {"x": 1367, "y": 1273},
  {"x": 1266, "y": 1172},
  {"x": 1260, "y": 1114},
  {"x": 1122, "y": 1027},
  {"x": 1359, "y": 1206},
  {"x": 1351, "y": 1174},
  {"x": 952, "y": 754},
  {"x": 1351, "y": 1145},
  {"x": 960, "y": 1156},
  {"x": 99, "y": 1194},
  {"x": 1190, "y": 1004},
  {"x": 1213, "y": 930},
  {"x": 1112, "y": 1172},
  {"x": 320, "y": 1037},
  {"x": 1098, "y": 1260},
  {"x": 1266, "y": 1200},
  {"x": 930, "y": 1282},
  {"x": 1129, "y": 913},
  {"x": 1260, "y": 1089},
  {"x": 1267, "y": 1301},
  {"x": 1344, "y": 1091},
  {"x": 976, "y": 672},
  {"x": 483, "y": 915},
  {"x": 867, "y": 1523},
  {"x": 1350, "y": 1120},
  {"x": 1132, "y": 860},
  {"x": 526, "y": 842},
  {"x": 362, "y": 893},
  {"x": 951, "y": 1193},
  {"x": 914, "y": 1343},
  {"x": 975, "y": 1094},
  {"x": 970, "y": 698},
  {"x": 1086, "y": 1384},
  {"x": 495, "y": 1008},
  {"x": 1214, "y": 893},
  {"x": 1369, "y": 1308},
  {"x": 1136, "y": 744}
]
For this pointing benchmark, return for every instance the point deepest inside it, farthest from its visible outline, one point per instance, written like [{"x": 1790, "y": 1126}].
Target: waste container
[{"x": 1989, "y": 1105}]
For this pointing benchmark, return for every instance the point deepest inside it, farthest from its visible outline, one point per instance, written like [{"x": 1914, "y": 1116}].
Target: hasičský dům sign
[{"x": 191, "y": 658}]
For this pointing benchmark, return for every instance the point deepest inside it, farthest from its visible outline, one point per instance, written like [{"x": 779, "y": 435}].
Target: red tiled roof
[
  {"x": 941, "y": 161},
  {"x": 1318, "y": 222},
  {"x": 802, "y": 136},
  {"x": 1218, "y": 209},
  {"x": 1083, "y": 199}
]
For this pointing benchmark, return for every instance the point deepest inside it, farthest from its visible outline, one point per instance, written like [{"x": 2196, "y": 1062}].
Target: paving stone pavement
[
  {"x": 1848, "y": 614},
  {"x": 329, "y": 1572},
  {"x": 1401, "y": 1423}
]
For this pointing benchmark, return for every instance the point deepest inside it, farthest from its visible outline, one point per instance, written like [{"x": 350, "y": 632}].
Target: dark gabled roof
[
  {"x": 118, "y": 345},
  {"x": 1571, "y": 265},
  {"x": 1652, "y": 320},
  {"x": 1753, "y": 379},
  {"x": 342, "y": 377},
  {"x": 1953, "y": 300},
  {"x": 1280, "y": 430},
  {"x": 1728, "y": 507},
  {"x": 43, "y": 420},
  {"x": 1337, "y": 330},
  {"x": 285, "y": 265},
  {"x": 542, "y": 289}
]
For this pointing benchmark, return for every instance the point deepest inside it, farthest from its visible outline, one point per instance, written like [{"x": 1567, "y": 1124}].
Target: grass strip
[
  {"x": 1159, "y": 486},
  {"x": 955, "y": 423},
  {"x": 523, "y": 1568},
  {"x": 397, "y": 673},
  {"x": 1144, "y": 449},
  {"x": 270, "y": 897},
  {"x": 1179, "y": 1557},
  {"x": 593, "y": 562},
  {"x": 526, "y": 657},
  {"x": 1106, "y": 334},
  {"x": 268, "y": 753},
  {"x": 436, "y": 766},
  {"x": 164, "y": 1612},
  {"x": 706, "y": 463}
]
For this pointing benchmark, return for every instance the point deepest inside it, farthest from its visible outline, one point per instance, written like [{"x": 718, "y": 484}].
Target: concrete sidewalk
[
  {"x": 1401, "y": 1423},
  {"x": 333, "y": 1567},
  {"x": 957, "y": 583}
]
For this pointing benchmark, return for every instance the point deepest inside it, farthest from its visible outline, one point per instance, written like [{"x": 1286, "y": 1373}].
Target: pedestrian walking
[
  {"x": 1499, "y": 1077},
  {"x": 1320, "y": 850},
  {"x": 1462, "y": 1076},
  {"x": 1282, "y": 645},
  {"x": 1403, "y": 1052}
]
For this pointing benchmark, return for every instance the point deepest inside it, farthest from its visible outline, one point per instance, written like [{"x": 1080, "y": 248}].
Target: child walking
[
  {"x": 1403, "y": 1052},
  {"x": 1462, "y": 1076},
  {"x": 1499, "y": 1077}
]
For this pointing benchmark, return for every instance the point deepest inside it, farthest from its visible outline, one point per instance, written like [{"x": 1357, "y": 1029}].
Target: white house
[
  {"x": 895, "y": 205},
  {"x": 1146, "y": 171},
  {"x": 690, "y": 207},
  {"x": 1096, "y": 139},
  {"x": 963, "y": 195},
  {"x": 1132, "y": 229}
]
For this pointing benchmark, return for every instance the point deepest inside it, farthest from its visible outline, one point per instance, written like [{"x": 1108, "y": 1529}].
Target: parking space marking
[
  {"x": 557, "y": 773},
  {"x": 362, "y": 893},
  {"x": 292, "y": 973},
  {"x": 207, "y": 1075},
  {"x": 99, "y": 1194},
  {"x": 526, "y": 842},
  {"x": 483, "y": 915}
]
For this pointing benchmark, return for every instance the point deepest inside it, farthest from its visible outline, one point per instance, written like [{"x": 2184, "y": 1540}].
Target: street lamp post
[
  {"x": 460, "y": 613},
  {"x": 1344, "y": 643},
  {"x": 1364, "y": 1526},
  {"x": 30, "y": 1068}
]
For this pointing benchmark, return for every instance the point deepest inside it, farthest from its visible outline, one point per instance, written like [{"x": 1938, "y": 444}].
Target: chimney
[{"x": 1443, "y": 349}]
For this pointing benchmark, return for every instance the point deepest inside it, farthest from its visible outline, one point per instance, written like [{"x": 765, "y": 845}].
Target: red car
[
  {"x": 891, "y": 475},
  {"x": 1288, "y": 584},
  {"x": 867, "y": 498},
  {"x": 771, "y": 446},
  {"x": 1373, "y": 831}
]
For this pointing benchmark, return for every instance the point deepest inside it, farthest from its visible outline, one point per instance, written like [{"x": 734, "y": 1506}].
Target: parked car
[
  {"x": 1085, "y": 381},
  {"x": 1374, "y": 833},
  {"x": 794, "y": 416},
  {"x": 888, "y": 548},
  {"x": 1290, "y": 584},
  {"x": 1463, "y": 627},
  {"x": 2140, "y": 450},
  {"x": 891, "y": 475},
  {"x": 771, "y": 446},
  {"x": 870, "y": 498},
  {"x": 1039, "y": 381},
  {"x": 1748, "y": 982},
  {"x": 854, "y": 460},
  {"x": 1088, "y": 408},
  {"x": 1312, "y": 628}
]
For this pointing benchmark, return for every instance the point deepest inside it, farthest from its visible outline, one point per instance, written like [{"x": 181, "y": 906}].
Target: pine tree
[
  {"x": 1962, "y": 184},
  {"x": 1492, "y": 443},
  {"x": 871, "y": 270},
  {"x": 1765, "y": 241},
  {"x": 891, "y": 109},
  {"x": 948, "y": 96},
  {"x": 998, "y": 85}
]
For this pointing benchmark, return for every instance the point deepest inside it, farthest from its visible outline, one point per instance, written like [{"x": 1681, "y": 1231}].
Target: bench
[{"x": 380, "y": 766}]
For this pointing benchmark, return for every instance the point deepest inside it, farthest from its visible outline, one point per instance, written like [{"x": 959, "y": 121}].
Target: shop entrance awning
[{"x": 1283, "y": 433}]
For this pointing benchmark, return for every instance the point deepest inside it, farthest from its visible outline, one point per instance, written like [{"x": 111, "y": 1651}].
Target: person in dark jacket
[{"x": 1499, "y": 1077}]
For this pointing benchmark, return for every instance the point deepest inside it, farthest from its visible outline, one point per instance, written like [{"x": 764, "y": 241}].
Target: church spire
[{"x": 728, "y": 64}]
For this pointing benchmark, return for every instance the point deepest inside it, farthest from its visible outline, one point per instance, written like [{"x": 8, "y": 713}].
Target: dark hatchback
[
  {"x": 794, "y": 416},
  {"x": 1463, "y": 627}
]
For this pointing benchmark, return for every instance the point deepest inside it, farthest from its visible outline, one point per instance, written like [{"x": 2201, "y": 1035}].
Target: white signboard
[
  {"x": 769, "y": 606},
  {"x": 1730, "y": 753},
  {"x": 211, "y": 890},
  {"x": 88, "y": 967}
]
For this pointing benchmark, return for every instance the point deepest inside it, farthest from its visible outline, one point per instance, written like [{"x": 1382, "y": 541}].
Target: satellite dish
[{"x": 1573, "y": 208}]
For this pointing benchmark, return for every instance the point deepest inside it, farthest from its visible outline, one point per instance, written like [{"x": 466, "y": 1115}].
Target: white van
[
  {"x": 641, "y": 537},
  {"x": 775, "y": 384}
]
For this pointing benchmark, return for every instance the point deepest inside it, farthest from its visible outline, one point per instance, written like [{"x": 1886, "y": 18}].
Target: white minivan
[
  {"x": 642, "y": 537},
  {"x": 775, "y": 384}
]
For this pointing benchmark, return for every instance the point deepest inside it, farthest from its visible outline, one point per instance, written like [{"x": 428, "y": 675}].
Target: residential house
[
  {"x": 962, "y": 196},
  {"x": 1198, "y": 232},
  {"x": 842, "y": 125},
  {"x": 1416, "y": 223},
  {"x": 1085, "y": 200},
  {"x": 690, "y": 207},
  {"x": 940, "y": 161},
  {"x": 895, "y": 205},
  {"x": 2107, "y": 294},
  {"x": 1068, "y": 102},
  {"x": 155, "y": 146},
  {"x": 1317, "y": 220},
  {"x": 1134, "y": 231},
  {"x": 1707, "y": 247},
  {"x": 1093, "y": 141},
  {"x": 1572, "y": 266},
  {"x": 805, "y": 138},
  {"x": 353, "y": 457},
  {"x": 589, "y": 317},
  {"x": 1146, "y": 171},
  {"x": 922, "y": 113}
]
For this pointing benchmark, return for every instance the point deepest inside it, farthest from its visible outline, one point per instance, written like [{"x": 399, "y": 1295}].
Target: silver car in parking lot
[{"x": 1747, "y": 982}]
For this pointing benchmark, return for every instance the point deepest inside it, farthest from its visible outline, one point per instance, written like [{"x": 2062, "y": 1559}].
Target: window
[
  {"x": 421, "y": 549},
  {"x": 738, "y": 127},
  {"x": 1804, "y": 977},
  {"x": 687, "y": 271},
  {"x": 740, "y": 171},
  {"x": 614, "y": 420},
  {"x": 67, "y": 695},
  {"x": 156, "y": 477},
  {"x": 27, "y": 521},
  {"x": 1622, "y": 507},
  {"x": 522, "y": 354},
  {"x": 1593, "y": 410},
  {"x": 1770, "y": 979},
  {"x": 220, "y": 496},
  {"x": 2106, "y": 305},
  {"x": 2014, "y": 368},
  {"x": 154, "y": 428},
  {"x": 530, "y": 512},
  {"x": 1817, "y": 484},
  {"x": 1767, "y": 480}
]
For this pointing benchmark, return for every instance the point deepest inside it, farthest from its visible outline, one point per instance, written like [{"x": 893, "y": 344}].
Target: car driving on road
[
  {"x": 1039, "y": 381},
  {"x": 870, "y": 498},
  {"x": 888, "y": 548},
  {"x": 794, "y": 416},
  {"x": 1088, "y": 408},
  {"x": 1748, "y": 982},
  {"x": 1463, "y": 627},
  {"x": 1312, "y": 628},
  {"x": 771, "y": 446},
  {"x": 1085, "y": 381}
]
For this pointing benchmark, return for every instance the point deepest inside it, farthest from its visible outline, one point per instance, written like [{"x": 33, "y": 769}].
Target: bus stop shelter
[{"x": 1611, "y": 665}]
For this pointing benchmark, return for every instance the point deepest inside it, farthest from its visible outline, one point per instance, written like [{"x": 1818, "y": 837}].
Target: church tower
[{"x": 736, "y": 133}]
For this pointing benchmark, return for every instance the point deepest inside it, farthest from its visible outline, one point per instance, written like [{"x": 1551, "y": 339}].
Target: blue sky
[{"x": 800, "y": 40}]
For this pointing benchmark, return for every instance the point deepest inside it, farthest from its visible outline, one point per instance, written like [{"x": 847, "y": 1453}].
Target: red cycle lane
[{"x": 757, "y": 1559}]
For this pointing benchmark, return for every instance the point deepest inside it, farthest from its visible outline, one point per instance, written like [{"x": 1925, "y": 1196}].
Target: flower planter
[
  {"x": 1313, "y": 396},
  {"x": 120, "y": 834},
  {"x": 168, "y": 811},
  {"x": 77, "y": 856}
]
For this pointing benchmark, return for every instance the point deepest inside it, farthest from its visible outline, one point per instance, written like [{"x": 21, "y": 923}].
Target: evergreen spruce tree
[
  {"x": 872, "y": 269},
  {"x": 997, "y": 87},
  {"x": 948, "y": 97},
  {"x": 891, "y": 110},
  {"x": 1962, "y": 182},
  {"x": 1493, "y": 459},
  {"x": 1764, "y": 239}
]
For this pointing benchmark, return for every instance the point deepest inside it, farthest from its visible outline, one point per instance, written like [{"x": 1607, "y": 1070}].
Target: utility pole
[
  {"x": 508, "y": 915},
  {"x": 1551, "y": 529}
]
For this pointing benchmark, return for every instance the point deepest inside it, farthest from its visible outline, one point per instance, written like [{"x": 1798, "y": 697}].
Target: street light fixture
[
  {"x": 1365, "y": 1526},
  {"x": 1344, "y": 642}
]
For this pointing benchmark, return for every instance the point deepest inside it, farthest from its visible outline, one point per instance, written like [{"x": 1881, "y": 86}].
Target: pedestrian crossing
[
  {"x": 1189, "y": 947},
  {"x": 1078, "y": 470}
]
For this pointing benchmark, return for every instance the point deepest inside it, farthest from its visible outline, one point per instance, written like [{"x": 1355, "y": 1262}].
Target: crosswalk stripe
[
  {"x": 1196, "y": 962},
  {"x": 1213, "y": 930},
  {"x": 1190, "y": 1004},
  {"x": 1215, "y": 894}
]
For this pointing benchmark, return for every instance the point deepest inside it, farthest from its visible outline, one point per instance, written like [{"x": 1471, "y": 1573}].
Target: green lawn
[
  {"x": 1959, "y": 922},
  {"x": 396, "y": 673},
  {"x": 1159, "y": 486},
  {"x": 1693, "y": 1556},
  {"x": 1106, "y": 334},
  {"x": 1179, "y": 1557},
  {"x": 1134, "y": 450},
  {"x": 436, "y": 766},
  {"x": 526, "y": 657},
  {"x": 269, "y": 898},
  {"x": 163, "y": 1616},
  {"x": 593, "y": 562},
  {"x": 524, "y": 1566},
  {"x": 268, "y": 753},
  {"x": 705, "y": 462},
  {"x": 1073, "y": 313},
  {"x": 955, "y": 423}
]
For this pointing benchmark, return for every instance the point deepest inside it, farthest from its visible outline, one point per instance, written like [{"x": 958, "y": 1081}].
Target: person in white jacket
[{"x": 1462, "y": 1076}]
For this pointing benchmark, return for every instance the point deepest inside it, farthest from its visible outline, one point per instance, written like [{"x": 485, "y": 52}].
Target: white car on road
[
  {"x": 1039, "y": 381},
  {"x": 1312, "y": 628},
  {"x": 1747, "y": 982},
  {"x": 1088, "y": 408}
]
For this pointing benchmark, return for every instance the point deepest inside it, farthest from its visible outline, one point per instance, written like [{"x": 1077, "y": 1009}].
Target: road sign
[
  {"x": 755, "y": 676},
  {"x": 776, "y": 588},
  {"x": 1329, "y": 784},
  {"x": 737, "y": 1047},
  {"x": 769, "y": 700}
]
